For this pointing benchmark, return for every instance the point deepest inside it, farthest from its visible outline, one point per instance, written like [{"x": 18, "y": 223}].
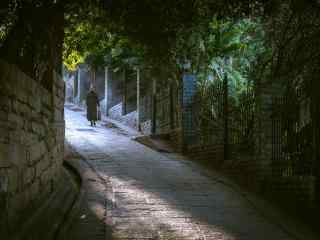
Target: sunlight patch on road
[{"x": 132, "y": 211}]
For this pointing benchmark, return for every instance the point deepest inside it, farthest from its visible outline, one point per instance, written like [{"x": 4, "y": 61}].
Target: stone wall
[
  {"x": 31, "y": 144},
  {"x": 176, "y": 139},
  {"x": 129, "y": 119},
  {"x": 212, "y": 154},
  {"x": 145, "y": 127}
]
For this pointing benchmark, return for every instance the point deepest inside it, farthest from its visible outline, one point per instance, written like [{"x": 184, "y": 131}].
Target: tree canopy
[
  {"x": 155, "y": 32},
  {"x": 145, "y": 32}
]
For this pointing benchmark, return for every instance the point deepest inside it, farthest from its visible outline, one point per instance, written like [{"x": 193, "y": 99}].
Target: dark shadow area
[
  {"x": 286, "y": 202},
  {"x": 181, "y": 200}
]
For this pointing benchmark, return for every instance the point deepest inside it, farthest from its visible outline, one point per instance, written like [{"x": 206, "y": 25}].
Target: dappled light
[{"x": 149, "y": 195}]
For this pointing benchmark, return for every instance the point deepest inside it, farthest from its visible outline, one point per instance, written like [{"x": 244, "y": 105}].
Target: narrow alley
[
  {"x": 160, "y": 120},
  {"x": 138, "y": 193}
]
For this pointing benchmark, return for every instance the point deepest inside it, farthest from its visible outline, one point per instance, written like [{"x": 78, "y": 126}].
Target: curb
[
  {"x": 72, "y": 164},
  {"x": 48, "y": 218},
  {"x": 78, "y": 223}
]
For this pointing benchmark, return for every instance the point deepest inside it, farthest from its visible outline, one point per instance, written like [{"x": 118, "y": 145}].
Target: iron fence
[
  {"x": 220, "y": 118},
  {"x": 292, "y": 136},
  {"x": 229, "y": 121}
]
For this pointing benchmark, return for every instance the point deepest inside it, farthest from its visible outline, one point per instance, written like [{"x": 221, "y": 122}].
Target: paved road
[{"x": 138, "y": 193}]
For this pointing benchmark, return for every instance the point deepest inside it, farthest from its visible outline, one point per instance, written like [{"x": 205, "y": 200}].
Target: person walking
[{"x": 92, "y": 106}]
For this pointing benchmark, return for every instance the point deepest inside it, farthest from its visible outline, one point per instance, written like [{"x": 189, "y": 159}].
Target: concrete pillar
[
  {"x": 75, "y": 86},
  {"x": 93, "y": 77},
  {"x": 265, "y": 92},
  {"x": 138, "y": 99},
  {"x": 226, "y": 118},
  {"x": 189, "y": 89},
  {"x": 124, "y": 93},
  {"x": 106, "y": 89},
  {"x": 154, "y": 106},
  {"x": 79, "y": 86},
  {"x": 171, "y": 96}
]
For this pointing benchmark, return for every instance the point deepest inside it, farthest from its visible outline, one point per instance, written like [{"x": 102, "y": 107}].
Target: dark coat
[{"x": 92, "y": 103}]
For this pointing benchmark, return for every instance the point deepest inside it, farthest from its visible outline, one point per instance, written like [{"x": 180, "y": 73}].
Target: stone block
[
  {"x": 15, "y": 106},
  {"x": 29, "y": 175},
  {"x": 4, "y": 183},
  {"x": 5, "y": 125},
  {"x": 17, "y": 203},
  {"x": 50, "y": 139},
  {"x": 5, "y": 103},
  {"x": 58, "y": 116},
  {"x": 24, "y": 110},
  {"x": 43, "y": 165},
  {"x": 34, "y": 189},
  {"x": 33, "y": 115},
  {"x": 21, "y": 95},
  {"x": 14, "y": 180},
  {"x": 56, "y": 171},
  {"x": 4, "y": 156},
  {"x": 46, "y": 112},
  {"x": 28, "y": 138},
  {"x": 46, "y": 177},
  {"x": 46, "y": 99},
  {"x": 45, "y": 122},
  {"x": 57, "y": 101},
  {"x": 35, "y": 102},
  {"x": 15, "y": 120},
  {"x": 3, "y": 116},
  {"x": 18, "y": 154},
  {"x": 12, "y": 78},
  {"x": 32, "y": 87},
  {"x": 58, "y": 79},
  {"x": 4, "y": 134},
  {"x": 36, "y": 152},
  {"x": 55, "y": 151},
  {"x": 4, "y": 69},
  {"x": 42, "y": 132},
  {"x": 36, "y": 127}
]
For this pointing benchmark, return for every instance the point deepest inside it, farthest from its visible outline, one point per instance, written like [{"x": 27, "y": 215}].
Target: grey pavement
[{"x": 139, "y": 193}]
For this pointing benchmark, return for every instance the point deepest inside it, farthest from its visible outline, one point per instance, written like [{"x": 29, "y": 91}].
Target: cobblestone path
[{"x": 149, "y": 195}]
